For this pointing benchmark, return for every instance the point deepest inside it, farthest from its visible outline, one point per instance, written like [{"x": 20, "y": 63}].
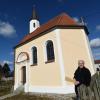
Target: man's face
[{"x": 81, "y": 63}]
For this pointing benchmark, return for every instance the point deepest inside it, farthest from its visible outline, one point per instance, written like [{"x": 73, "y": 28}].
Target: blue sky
[{"x": 15, "y": 16}]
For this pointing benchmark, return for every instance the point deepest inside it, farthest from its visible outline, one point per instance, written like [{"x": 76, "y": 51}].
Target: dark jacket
[{"x": 83, "y": 75}]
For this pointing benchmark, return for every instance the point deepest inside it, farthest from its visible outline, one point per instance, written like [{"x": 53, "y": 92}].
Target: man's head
[{"x": 81, "y": 63}]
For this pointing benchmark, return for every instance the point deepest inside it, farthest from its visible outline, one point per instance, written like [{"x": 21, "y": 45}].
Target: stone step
[{"x": 19, "y": 89}]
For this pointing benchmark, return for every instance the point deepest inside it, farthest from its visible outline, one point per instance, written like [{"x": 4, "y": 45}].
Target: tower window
[
  {"x": 34, "y": 54},
  {"x": 50, "y": 51},
  {"x": 33, "y": 24}
]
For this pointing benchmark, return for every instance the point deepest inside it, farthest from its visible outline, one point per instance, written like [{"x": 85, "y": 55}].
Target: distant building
[
  {"x": 49, "y": 53},
  {"x": 97, "y": 64}
]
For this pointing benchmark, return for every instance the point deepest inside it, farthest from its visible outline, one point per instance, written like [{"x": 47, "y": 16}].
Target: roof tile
[{"x": 62, "y": 19}]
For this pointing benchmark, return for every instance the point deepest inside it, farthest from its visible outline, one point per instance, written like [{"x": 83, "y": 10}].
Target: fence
[{"x": 93, "y": 91}]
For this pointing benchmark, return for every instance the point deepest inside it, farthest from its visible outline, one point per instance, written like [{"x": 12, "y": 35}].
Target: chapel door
[{"x": 23, "y": 75}]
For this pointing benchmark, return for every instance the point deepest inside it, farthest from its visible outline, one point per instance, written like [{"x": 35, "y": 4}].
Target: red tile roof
[
  {"x": 61, "y": 20},
  {"x": 97, "y": 61}
]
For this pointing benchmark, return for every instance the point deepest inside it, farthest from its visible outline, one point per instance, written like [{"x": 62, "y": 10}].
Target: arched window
[
  {"x": 34, "y": 54},
  {"x": 50, "y": 50}
]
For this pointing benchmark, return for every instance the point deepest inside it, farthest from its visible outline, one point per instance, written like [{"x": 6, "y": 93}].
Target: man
[{"x": 81, "y": 76}]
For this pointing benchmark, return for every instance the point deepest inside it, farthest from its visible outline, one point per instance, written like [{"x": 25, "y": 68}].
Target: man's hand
[{"x": 76, "y": 82}]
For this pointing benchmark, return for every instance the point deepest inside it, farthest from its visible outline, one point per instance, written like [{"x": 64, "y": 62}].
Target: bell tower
[{"x": 34, "y": 22}]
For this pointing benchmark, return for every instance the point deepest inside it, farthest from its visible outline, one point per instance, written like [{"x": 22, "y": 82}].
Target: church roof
[{"x": 59, "y": 21}]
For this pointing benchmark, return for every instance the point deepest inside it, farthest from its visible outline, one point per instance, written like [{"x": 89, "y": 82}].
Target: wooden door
[{"x": 23, "y": 75}]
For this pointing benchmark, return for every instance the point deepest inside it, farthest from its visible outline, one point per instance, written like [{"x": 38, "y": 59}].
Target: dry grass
[
  {"x": 27, "y": 97},
  {"x": 40, "y": 97},
  {"x": 5, "y": 87}
]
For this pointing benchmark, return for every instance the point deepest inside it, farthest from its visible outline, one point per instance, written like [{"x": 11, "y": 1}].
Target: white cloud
[
  {"x": 95, "y": 43},
  {"x": 98, "y": 27},
  {"x": 79, "y": 21},
  {"x": 76, "y": 19},
  {"x": 97, "y": 54},
  {"x": 6, "y": 29},
  {"x": 8, "y": 62}
]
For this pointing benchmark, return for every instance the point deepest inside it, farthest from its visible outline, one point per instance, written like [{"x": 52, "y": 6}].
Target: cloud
[
  {"x": 97, "y": 54},
  {"x": 76, "y": 19},
  {"x": 98, "y": 27},
  {"x": 95, "y": 43},
  {"x": 79, "y": 21},
  {"x": 8, "y": 62},
  {"x": 6, "y": 29}
]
